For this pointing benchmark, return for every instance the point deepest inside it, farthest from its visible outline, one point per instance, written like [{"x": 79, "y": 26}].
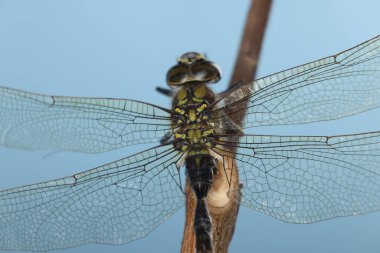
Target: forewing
[
  {"x": 334, "y": 87},
  {"x": 302, "y": 179},
  {"x": 112, "y": 204},
  {"x": 39, "y": 122}
]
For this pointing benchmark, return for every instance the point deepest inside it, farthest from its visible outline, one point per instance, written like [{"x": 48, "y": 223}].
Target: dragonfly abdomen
[{"x": 201, "y": 169}]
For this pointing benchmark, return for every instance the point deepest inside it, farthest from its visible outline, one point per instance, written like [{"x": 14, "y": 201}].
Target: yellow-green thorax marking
[{"x": 192, "y": 131}]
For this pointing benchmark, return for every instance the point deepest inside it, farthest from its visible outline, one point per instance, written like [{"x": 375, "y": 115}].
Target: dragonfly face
[{"x": 297, "y": 179}]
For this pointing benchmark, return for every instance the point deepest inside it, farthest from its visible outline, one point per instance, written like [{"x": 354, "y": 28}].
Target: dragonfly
[{"x": 296, "y": 179}]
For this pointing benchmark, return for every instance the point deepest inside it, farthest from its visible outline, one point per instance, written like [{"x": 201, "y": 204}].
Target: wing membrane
[
  {"x": 33, "y": 121},
  {"x": 302, "y": 179},
  {"x": 334, "y": 87},
  {"x": 112, "y": 204}
]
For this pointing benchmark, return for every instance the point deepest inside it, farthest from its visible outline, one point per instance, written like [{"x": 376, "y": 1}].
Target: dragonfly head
[{"x": 193, "y": 67}]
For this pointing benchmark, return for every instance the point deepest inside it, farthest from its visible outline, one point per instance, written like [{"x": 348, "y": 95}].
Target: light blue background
[{"x": 123, "y": 49}]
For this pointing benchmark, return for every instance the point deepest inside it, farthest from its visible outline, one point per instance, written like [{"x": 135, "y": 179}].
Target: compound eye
[
  {"x": 177, "y": 75},
  {"x": 205, "y": 72}
]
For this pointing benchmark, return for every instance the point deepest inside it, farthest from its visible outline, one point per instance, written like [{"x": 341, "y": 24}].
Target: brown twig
[
  {"x": 224, "y": 219},
  {"x": 250, "y": 46}
]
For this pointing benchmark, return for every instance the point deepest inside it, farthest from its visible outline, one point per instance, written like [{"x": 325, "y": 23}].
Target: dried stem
[
  {"x": 250, "y": 46},
  {"x": 224, "y": 218}
]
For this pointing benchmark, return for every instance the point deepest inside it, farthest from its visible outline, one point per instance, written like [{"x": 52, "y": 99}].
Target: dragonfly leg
[
  {"x": 166, "y": 138},
  {"x": 165, "y": 91}
]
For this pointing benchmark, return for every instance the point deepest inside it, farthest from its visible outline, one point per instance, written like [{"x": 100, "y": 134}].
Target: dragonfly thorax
[{"x": 191, "y": 113}]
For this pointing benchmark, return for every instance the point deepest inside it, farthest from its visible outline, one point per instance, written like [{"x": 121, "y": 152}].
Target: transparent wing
[
  {"x": 33, "y": 121},
  {"x": 112, "y": 204},
  {"x": 334, "y": 87},
  {"x": 307, "y": 179}
]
